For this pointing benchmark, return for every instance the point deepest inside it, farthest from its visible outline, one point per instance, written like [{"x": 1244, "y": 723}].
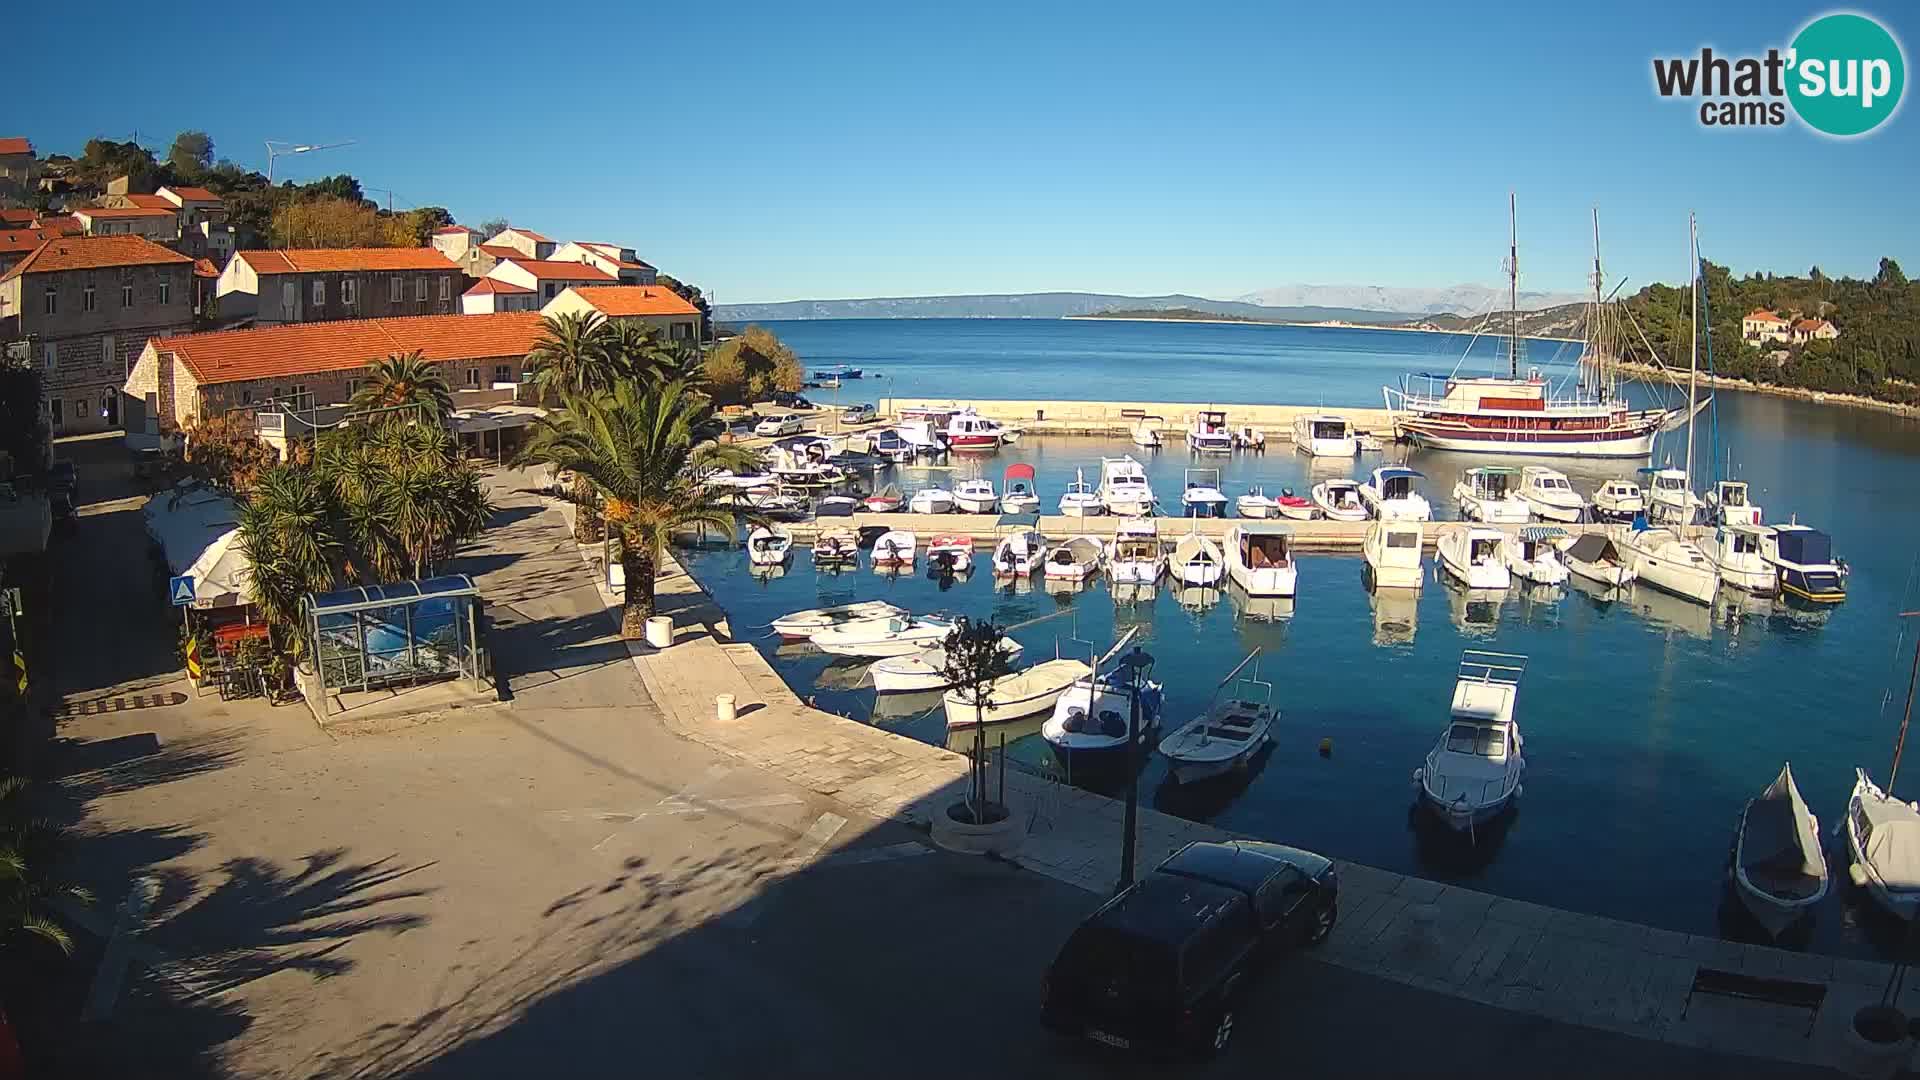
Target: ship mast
[
  {"x": 1513, "y": 290},
  {"x": 1596, "y": 336},
  {"x": 1693, "y": 360}
]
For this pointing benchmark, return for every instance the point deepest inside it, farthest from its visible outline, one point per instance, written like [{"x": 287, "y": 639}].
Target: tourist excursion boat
[
  {"x": 922, "y": 670},
  {"x": 1670, "y": 500},
  {"x": 802, "y": 625},
  {"x": 1389, "y": 496},
  {"x": 894, "y": 548},
  {"x": 1260, "y": 559},
  {"x": 1200, "y": 495},
  {"x": 1735, "y": 555},
  {"x": 1779, "y": 870},
  {"x": 1617, "y": 501},
  {"x": 1076, "y": 560},
  {"x": 1596, "y": 557},
  {"x": 1522, "y": 414},
  {"x": 1883, "y": 836},
  {"x": 1392, "y": 551},
  {"x": 951, "y": 552},
  {"x": 836, "y": 548},
  {"x": 1490, "y": 493},
  {"x": 1123, "y": 487},
  {"x": 1474, "y": 555},
  {"x": 1324, "y": 435},
  {"x": 1729, "y": 504},
  {"x": 769, "y": 545},
  {"x": 1080, "y": 500},
  {"x": 1473, "y": 773},
  {"x": 1255, "y": 504},
  {"x": 1023, "y": 693},
  {"x": 1227, "y": 734},
  {"x": 1091, "y": 719},
  {"x": 1146, "y": 431},
  {"x": 887, "y": 500},
  {"x": 1802, "y": 557},
  {"x": 1535, "y": 555},
  {"x": 1208, "y": 434},
  {"x": 1019, "y": 553},
  {"x": 968, "y": 430},
  {"x": 1339, "y": 500},
  {"x": 1548, "y": 494},
  {"x": 1021, "y": 495},
  {"x": 1668, "y": 563},
  {"x": 1296, "y": 507},
  {"x": 932, "y": 500},
  {"x": 1134, "y": 556},
  {"x": 975, "y": 496},
  {"x": 1196, "y": 561}
]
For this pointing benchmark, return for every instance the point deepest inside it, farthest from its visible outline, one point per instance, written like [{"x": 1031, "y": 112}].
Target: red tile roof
[
  {"x": 20, "y": 241},
  {"x": 488, "y": 285},
  {"x": 194, "y": 194},
  {"x": 93, "y": 253},
  {"x": 17, "y": 218},
  {"x": 15, "y": 146},
  {"x": 561, "y": 271},
  {"x": 501, "y": 251},
  {"x": 273, "y": 352},
  {"x": 614, "y": 301},
  {"x": 529, "y": 234},
  {"x": 205, "y": 268},
  {"x": 64, "y": 224},
  {"x": 1763, "y": 315},
  {"x": 151, "y": 202},
  {"x": 449, "y": 230},
  {"x": 117, "y": 212},
  {"x": 1809, "y": 325},
  {"x": 335, "y": 260}
]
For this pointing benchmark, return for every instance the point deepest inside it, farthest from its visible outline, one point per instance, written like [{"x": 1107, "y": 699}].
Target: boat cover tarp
[
  {"x": 1893, "y": 841},
  {"x": 1594, "y": 548},
  {"x": 1806, "y": 546},
  {"x": 1028, "y": 521},
  {"x": 1779, "y": 850},
  {"x": 1537, "y": 533}
]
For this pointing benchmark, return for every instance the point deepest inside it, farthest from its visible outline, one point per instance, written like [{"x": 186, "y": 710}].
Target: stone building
[
  {"x": 299, "y": 285},
  {"x": 654, "y": 306}
]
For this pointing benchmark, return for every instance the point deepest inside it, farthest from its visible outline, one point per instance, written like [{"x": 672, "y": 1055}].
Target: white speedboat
[
  {"x": 1490, "y": 493},
  {"x": 1209, "y": 434},
  {"x": 1597, "y": 558},
  {"x": 1076, "y": 560},
  {"x": 922, "y": 670},
  {"x": 1670, "y": 564},
  {"x": 975, "y": 496},
  {"x": 1802, "y": 556},
  {"x": 1260, "y": 560},
  {"x": 1473, "y": 773},
  {"x": 1730, "y": 504},
  {"x": 880, "y": 638},
  {"x": 802, "y": 625},
  {"x": 1196, "y": 560},
  {"x": 1392, "y": 551},
  {"x": 1134, "y": 556},
  {"x": 887, "y": 500},
  {"x": 1735, "y": 555},
  {"x": 1092, "y": 717},
  {"x": 1548, "y": 494},
  {"x": 1324, "y": 435},
  {"x": 1389, "y": 496},
  {"x": 1474, "y": 555},
  {"x": 1023, "y": 693},
  {"x": 1080, "y": 500},
  {"x": 923, "y": 434},
  {"x": 968, "y": 430},
  {"x": 1146, "y": 431},
  {"x": 1779, "y": 870},
  {"x": 1670, "y": 500},
  {"x": 1123, "y": 487},
  {"x": 1339, "y": 500},
  {"x": 1617, "y": 501},
  {"x": 932, "y": 500},
  {"x": 1019, "y": 554},
  {"x": 1255, "y": 504},
  {"x": 1534, "y": 555},
  {"x": 1295, "y": 507},
  {"x": 952, "y": 552},
  {"x": 1883, "y": 836},
  {"x": 1227, "y": 734},
  {"x": 1200, "y": 494},
  {"x": 769, "y": 545},
  {"x": 1021, "y": 494},
  {"x": 836, "y": 548},
  {"x": 895, "y": 548}
]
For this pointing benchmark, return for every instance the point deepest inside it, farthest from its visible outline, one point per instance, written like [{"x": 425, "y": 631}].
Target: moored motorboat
[
  {"x": 1779, "y": 871},
  {"x": 769, "y": 545},
  {"x": 1534, "y": 555},
  {"x": 1668, "y": 563},
  {"x": 1617, "y": 501},
  {"x": 801, "y": 625},
  {"x": 1209, "y": 434},
  {"x": 1296, "y": 507},
  {"x": 1324, "y": 435},
  {"x": 1550, "y": 496},
  {"x": 1080, "y": 500},
  {"x": 1255, "y": 504},
  {"x": 836, "y": 548},
  {"x": 879, "y": 638},
  {"x": 1339, "y": 500},
  {"x": 1146, "y": 431},
  {"x": 1802, "y": 557},
  {"x": 1474, "y": 555},
  {"x": 1473, "y": 773},
  {"x": 1670, "y": 499},
  {"x": 1729, "y": 503},
  {"x": 932, "y": 500},
  {"x": 1490, "y": 493},
  {"x": 1075, "y": 560},
  {"x": 951, "y": 552},
  {"x": 1883, "y": 836},
  {"x": 968, "y": 430},
  {"x": 1022, "y": 494},
  {"x": 922, "y": 670},
  {"x": 1019, "y": 553},
  {"x": 1124, "y": 488},
  {"x": 1196, "y": 560},
  {"x": 1024, "y": 693},
  {"x": 1134, "y": 556},
  {"x": 975, "y": 496},
  {"x": 895, "y": 548},
  {"x": 1735, "y": 555},
  {"x": 1227, "y": 734},
  {"x": 1260, "y": 560},
  {"x": 1392, "y": 551},
  {"x": 1200, "y": 494},
  {"x": 887, "y": 500},
  {"x": 924, "y": 431},
  {"x": 1597, "y": 558},
  {"x": 1092, "y": 718},
  {"x": 1248, "y": 437},
  {"x": 1389, "y": 496}
]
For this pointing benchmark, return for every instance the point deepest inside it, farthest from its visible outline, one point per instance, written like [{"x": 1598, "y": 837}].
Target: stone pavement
[{"x": 1565, "y": 966}]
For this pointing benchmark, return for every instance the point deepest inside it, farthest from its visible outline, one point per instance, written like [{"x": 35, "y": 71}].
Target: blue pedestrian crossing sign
[{"x": 181, "y": 589}]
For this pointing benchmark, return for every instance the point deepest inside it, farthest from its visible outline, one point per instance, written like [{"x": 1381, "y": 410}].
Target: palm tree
[
  {"x": 286, "y": 532},
  {"x": 402, "y": 495},
  {"x": 637, "y": 455},
  {"x": 572, "y": 356},
  {"x": 29, "y": 849},
  {"x": 406, "y": 379},
  {"x": 637, "y": 349}
]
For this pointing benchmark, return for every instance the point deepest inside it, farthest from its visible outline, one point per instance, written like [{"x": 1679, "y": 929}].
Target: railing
[{"x": 1481, "y": 666}]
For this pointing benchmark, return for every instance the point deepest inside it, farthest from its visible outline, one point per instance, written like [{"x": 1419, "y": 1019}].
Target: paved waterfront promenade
[
  {"x": 1561, "y": 965},
  {"x": 1119, "y": 417}
]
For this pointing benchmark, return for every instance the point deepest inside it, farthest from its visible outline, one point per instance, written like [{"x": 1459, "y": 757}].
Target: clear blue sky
[{"x": 786, "y": 150}]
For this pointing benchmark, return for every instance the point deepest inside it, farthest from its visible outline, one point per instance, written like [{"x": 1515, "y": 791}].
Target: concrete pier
[{"x": 1043, "y": 417}]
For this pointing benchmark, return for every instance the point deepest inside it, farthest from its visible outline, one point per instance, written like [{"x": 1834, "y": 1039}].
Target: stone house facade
[
  {"x": 322, "y": 285},
  {"x": 653, "y": 306}
]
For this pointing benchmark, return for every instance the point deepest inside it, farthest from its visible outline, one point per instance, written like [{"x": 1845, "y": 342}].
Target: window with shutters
[{"x": 446, "y": 288}]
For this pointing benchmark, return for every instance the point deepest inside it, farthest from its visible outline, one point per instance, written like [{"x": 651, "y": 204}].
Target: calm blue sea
[{"x": 1649, "y": 721}]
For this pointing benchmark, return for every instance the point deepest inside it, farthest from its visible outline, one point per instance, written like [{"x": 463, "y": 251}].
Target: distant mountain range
[{"x": 1289, "y": 303}]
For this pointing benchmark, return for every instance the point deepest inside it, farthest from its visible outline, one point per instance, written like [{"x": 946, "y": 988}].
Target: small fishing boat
[
  {"x": 1080, "y": 500},
  {"x": 1092, "y": 717},
  {"x": 1019, "y": 554},
  {"x": 1248, "y": 437},
  {"x": 1473, "y": 773},
  {"x": 1617, "y": 501},
  {"x": 1668, "y": 563},
  {"x": 1227, "y": 734},
  {"x": 932, "y": 500},
  {"x": 879, "y": 638},
  {"x": 894, "y": 548},
  {"x": 1779, "y": 871},
  {"x": 801, "y": 625},
  {"x": 1670, "y": 499},
  {"x": 1339, "y": 500},
  {"x": 1260, "y": 560},
  {"x": 1389, "y": 496},
  {"x": 1324, "y": 435},
  {"x": 1489, "y": 493},
  {"x": 1392, "y": 551},
  {"x": 1024, "y": 693},
  {"x": 1475, "y": 556},
  {"x": 1209, "y": 434},
  {"x": 1534, "y": 555},
  {"x": 833, "y": 506},
  {"x": 1146, "y": 431},
  {"x": 840, "y": 372},
  {"x": 1123, "y": 487},
  {"x": 1883, "y": 836},
  {"x": 836, "y": 548},
  {"x": 1735, "y": 555},
  {"x": 1076, "y": 560},
  {"x": 968, "y": 430},
  {"x": 1368, "y": 443},
  {"x": 769, "y": 545},
  {"x": 951, "y": 552},
  {"x": 1550, "y": 496},
  {"x": 922, "y": 670},
  {"x": 1295, "y": 507},
  {"x": 1022, "y": 495},
  {"x": 1134, "y": 556},
  {"x": 1597, "y": 558},
  {"x": 887, "y": 500},
  {"x": 1802, "y": 556},
  {"x": 1196, "y": 560},
  {"x": 1730, "y": 504},
  {"x": 976, "y": 496},
  {"x": 1255, "y": 504},
  {"x": 1200, "y": 494}
]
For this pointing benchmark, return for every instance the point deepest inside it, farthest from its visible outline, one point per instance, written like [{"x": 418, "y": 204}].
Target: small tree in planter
[{"x": 975, "y": 656}]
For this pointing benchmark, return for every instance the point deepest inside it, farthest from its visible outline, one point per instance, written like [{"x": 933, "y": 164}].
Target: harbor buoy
[{"x": 1326, "y": 747}]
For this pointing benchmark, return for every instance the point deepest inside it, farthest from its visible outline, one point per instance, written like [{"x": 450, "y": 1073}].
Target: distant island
[{"x": 1185, "y": 314}]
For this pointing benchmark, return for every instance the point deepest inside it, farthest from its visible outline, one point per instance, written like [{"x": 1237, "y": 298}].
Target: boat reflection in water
[
  {"x": 1208, "y": 800},
  {"x": 1475, "y": 612},
  {"x": 1450, "y": 854},
  {"x": 1734, "y": 608},
  {"x": 1792, "y": 612},
  {"x": 1666, "y": 611},
  {"x": 1260, "y": 608},
  {"x": 1018, "y": 585},
  {"x": 1063, "y": 590},
  {"x": 1602, "y": 597},
  {"x": 1197, "y": 598},
  {"x": 843, "y": 673},
  {"x": 895, "y": 707},
  {"x": 1396, "y": 615},
  {"x": 1539, "y": 604}
]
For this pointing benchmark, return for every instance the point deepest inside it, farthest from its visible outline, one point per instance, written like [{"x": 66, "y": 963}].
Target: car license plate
[{"x": 1110, "y": 1040}]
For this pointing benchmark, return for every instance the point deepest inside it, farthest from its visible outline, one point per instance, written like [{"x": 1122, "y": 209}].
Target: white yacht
[
  {"x": 1339, "y": 500},
  {"x": 1491, "y": 493},
  {"x": 1209, "y": 434},
  {"x": 894, "y": 547},
  {"x": 1022, "y": 495},
  {"x": 1548, "y": 494},
  {"x": 1883, "y": 836},
  {"x": 1134, "y": 557},
  {"x": 1730, "y": 504},
  {"x": 1200, "y": 494},
  {"x": 1534, "y": 555},
  {"x": 880, "y": 638},
  {"x": 769, "y": 545},
  {"x": 1476, "y": 556},
  {"x": 1123, "y": 487},
  {"x": 1146, "y": 431},
  {"x": 1196, "y": 560},
  {"x": 1595, "y": 557},
  {"x": 1019, "y": 554},
  {"x": 1260, "y": 559},
  {"x": 1227, "y": 734},
  {"x": 1668, "y": 563},
  {"x": 1256, "y": 504},
  {"x": 1473, "y": 773},
  {"x": 1736, "y": 557},
  {"x": 1392, "y": 551},
  {"x": 1324, "y": 435},
  {"x": 1076, "y": 560},
  {"x": 1670, "y": 501},
  {"x": 1080, "y": 500},
  {"x": 1618, "y": 501},
  {"x": 975, "y": 496},
  {"x": 1389, "y": 496},
  {"x": 932, "y": 500}
]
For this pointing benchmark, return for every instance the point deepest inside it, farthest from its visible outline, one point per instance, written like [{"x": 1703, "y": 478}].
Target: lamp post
[
  {"x": 278, "y": 149},
  {"x": 1138, "y": 663}
]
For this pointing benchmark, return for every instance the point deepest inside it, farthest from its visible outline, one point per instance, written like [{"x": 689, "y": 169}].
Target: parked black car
[
  {"x": 1163, "y": 965},
  {"x": 787, "y": 399}
]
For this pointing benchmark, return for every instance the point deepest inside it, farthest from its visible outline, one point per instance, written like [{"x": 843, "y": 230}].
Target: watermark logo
[{"x": 1843, "y": 76}]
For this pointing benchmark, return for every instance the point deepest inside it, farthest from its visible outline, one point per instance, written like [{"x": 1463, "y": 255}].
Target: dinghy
[
  {"x": 1197, "y": 560},
  {"x": 1779, "y": 871},
  {"x": 1227, "y": 734},
  {"x": 1134, "y": 557},
  {"x": 880, "y": 638},
  {"x": 1146, "y": 431},
  {"x": 801, "y": 625},
  {"x": 895, "y": 548},
  {"x": 1883, "y": 836},
  {"x": 1596, "y": 558},
  {"x": 1023, "y": 693},
  {"x": 1022, "y": 495},
  {"x": 917, "y": 672},
  {"x": 1076, "y": 560},
  {"x": 769, "y": 545},
  {"x": 1295, "y": 507},
  {"x": 1019, "y": 554},
  {"x": 1339, "y": 500},
  {"x": 1473, "y": 773},
  {"x": 951, "y": 552},
  {"x": 1255, "y": 504}
]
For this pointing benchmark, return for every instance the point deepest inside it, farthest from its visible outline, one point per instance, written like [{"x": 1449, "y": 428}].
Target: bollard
[
  {"x": 659, "y": 632},
  {"x": 723, "y": 708}
]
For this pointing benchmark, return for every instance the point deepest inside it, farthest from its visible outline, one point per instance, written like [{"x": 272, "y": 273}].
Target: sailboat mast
[
  {"x": 1596, "y": 336},
  {"x": 1513, "y": 288},
  {"x": 1693, "y": 359},
  {"x": 1913, "y": 679}
]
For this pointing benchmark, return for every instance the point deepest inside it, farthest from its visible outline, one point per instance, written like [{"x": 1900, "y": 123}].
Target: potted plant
[{"x": 977, "y": 824}]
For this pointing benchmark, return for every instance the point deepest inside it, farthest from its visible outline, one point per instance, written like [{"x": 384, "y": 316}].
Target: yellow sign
[
  {"x": 20, "y": 665},
  {"x": 193, "y": 659}
]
